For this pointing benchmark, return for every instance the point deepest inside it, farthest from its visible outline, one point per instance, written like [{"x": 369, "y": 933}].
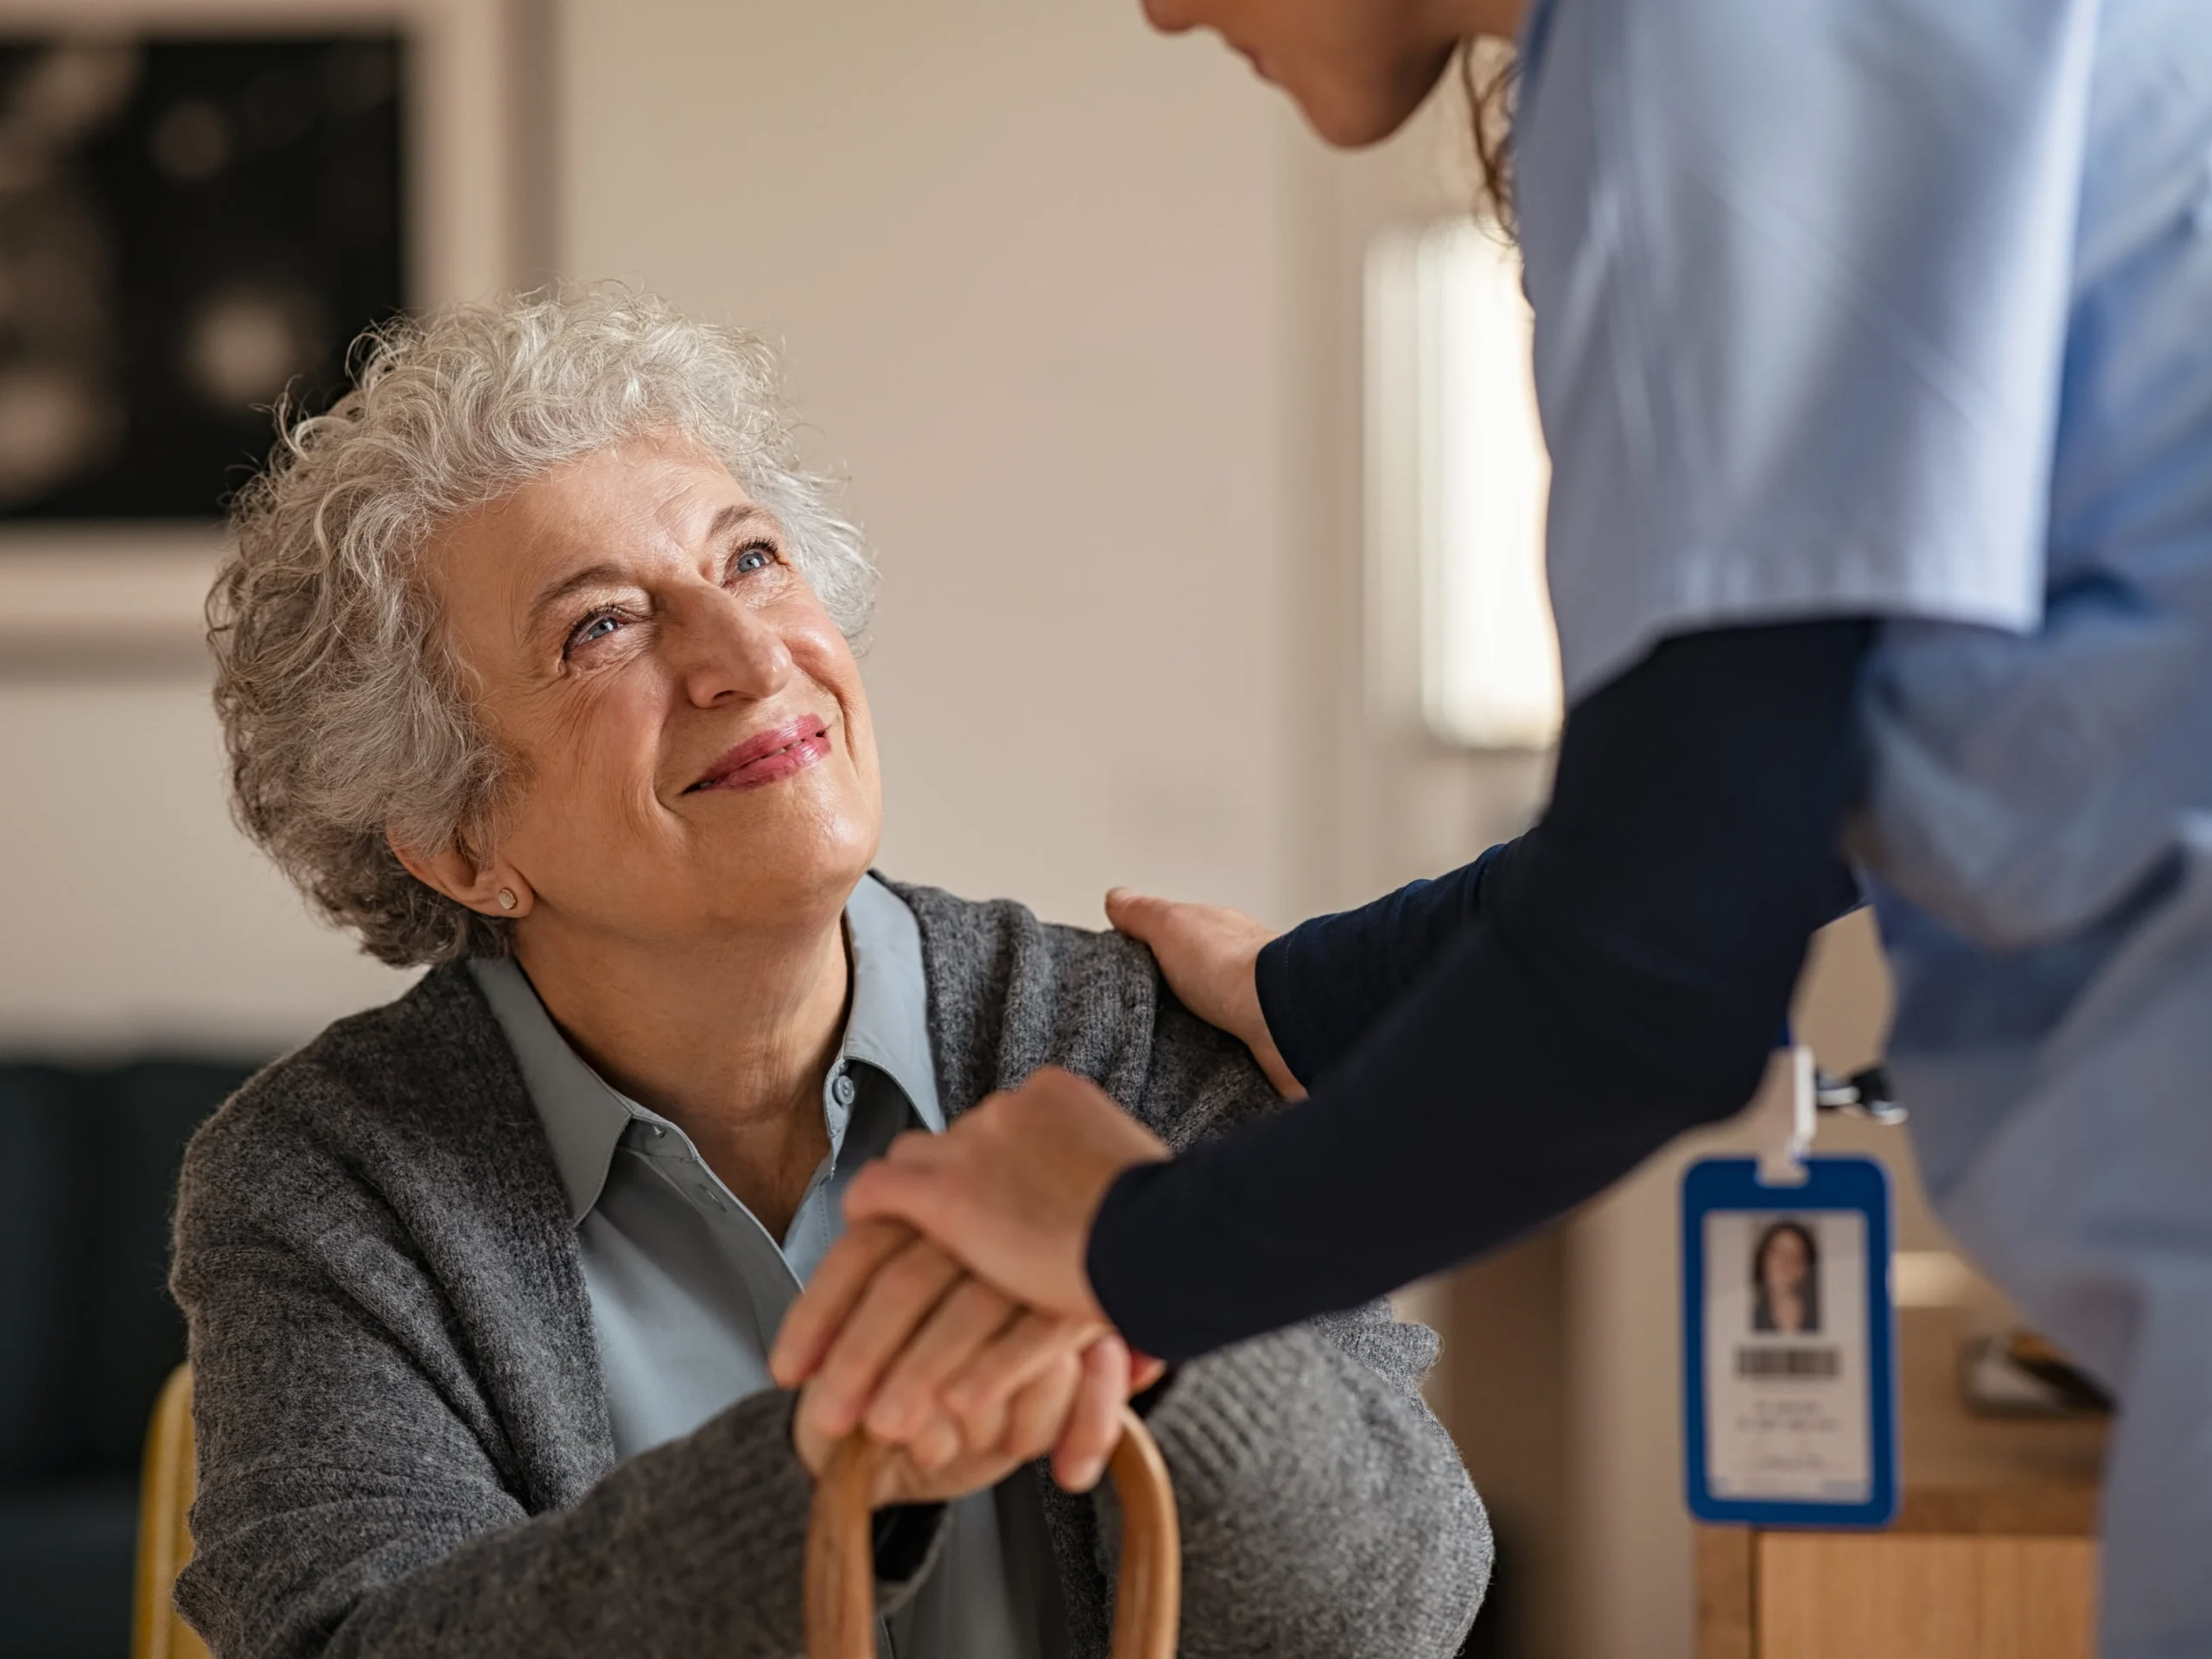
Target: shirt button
[{"x": 843, "y": 1089}]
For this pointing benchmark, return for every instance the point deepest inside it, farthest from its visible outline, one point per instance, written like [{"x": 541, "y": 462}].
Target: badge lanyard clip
[
  {"x": 1782, "y": 1119},
  {"x": 1794, "y": 1094}
]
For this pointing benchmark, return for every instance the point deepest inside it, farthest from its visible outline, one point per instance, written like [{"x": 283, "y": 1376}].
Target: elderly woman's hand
[
  {"x": 910, "y": 1325},
  {"x": 893, "y": 1333}
]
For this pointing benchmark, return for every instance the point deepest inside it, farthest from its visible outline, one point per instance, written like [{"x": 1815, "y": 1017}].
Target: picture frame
[{"x": 125, "y": 599}]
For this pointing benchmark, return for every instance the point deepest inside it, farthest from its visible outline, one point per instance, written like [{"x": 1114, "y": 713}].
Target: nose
[{"x": 723, "y": 652}]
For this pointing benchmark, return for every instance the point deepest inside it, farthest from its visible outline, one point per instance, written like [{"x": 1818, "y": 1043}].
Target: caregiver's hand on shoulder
[
  {"x": 903, "y": 1322},
  {"x": 1209, "y": 956}
]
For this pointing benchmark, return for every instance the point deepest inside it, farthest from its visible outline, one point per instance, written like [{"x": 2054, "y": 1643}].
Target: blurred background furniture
[
  {"x": 164, "y": 1528},
  {"x": 1994, "y": 1554},
  {"x": 86, "y": 1191}
]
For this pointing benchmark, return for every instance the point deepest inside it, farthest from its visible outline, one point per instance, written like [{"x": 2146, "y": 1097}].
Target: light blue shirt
[
  {"x": 687, "y": 1289},
  {"x": 1904, "y": 308}
]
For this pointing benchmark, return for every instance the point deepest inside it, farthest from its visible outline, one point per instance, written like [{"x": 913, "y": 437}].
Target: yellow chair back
[{"x": 164, "y": 1537}]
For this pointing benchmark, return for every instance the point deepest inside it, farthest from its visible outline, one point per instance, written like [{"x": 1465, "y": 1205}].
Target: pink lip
[{"x": 769, "y": 757}]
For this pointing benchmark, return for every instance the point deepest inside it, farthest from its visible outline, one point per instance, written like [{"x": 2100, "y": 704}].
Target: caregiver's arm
[
  {"x": 1303, "y": 1000},
  {"x": 1628, "y": 962},
  {"x": 1347, "y": 969},
  {"x": 1317, "y": 989},
  {"x": 1322, "y": 984}
]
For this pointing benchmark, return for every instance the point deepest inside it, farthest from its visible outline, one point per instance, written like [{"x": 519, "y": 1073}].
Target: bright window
[{"x": 1458, "y": 461}]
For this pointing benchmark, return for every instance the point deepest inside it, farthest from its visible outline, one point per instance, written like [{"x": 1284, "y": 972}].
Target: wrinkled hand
[
  {"x": 1209, "y": 956},
  {"x": 1011, "y": 1187},
  {"x": 892, "y": 1335}
]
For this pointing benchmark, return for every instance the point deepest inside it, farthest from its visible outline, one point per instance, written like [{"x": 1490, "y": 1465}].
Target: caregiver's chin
[
  {"x": 1358, "y": 68},
  {"x": 694, "y": 787}
]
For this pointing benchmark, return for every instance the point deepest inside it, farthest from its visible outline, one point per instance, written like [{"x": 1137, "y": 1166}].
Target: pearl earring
[{"x": 506, "y": 898}]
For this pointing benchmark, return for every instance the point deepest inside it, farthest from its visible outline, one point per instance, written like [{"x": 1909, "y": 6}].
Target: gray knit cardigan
[{"x": 404, "y": 1436}]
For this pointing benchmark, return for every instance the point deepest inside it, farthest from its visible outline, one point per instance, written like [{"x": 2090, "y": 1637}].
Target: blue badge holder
[{"x": 1832, "y": 1183}]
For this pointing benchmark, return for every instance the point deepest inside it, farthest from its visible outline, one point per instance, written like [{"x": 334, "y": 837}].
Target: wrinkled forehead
[
  {"x": 650, "y": 502},
  {"x": 652, "y": 494}
]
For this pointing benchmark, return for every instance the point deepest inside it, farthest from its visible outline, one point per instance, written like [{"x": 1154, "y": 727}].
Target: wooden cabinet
[
  {"x": 1994, "y": 1554},
  {"x": 1929, "y": 1588}
]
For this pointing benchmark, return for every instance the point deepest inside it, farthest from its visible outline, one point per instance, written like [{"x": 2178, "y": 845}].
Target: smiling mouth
[{"x": 769, "y": 757}]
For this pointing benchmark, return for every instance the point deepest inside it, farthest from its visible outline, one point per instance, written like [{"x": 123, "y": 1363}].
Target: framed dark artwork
[{"x": 191, "y": 229}]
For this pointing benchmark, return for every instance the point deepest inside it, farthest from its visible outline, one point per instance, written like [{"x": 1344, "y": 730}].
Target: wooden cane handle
[
  {"x": 1148, "y": 1599},
  {"x": 841, "y": 1554}
]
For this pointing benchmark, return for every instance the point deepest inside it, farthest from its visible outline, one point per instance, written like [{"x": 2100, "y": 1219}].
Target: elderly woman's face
[{"x": 693, "y": 738}]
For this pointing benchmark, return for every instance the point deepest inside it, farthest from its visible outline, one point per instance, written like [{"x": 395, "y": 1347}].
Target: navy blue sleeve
[
  {"x": 1326, "y": 980},
  {"x": 1616, "y": 975},
  {"x": 1322, "y": 984}
]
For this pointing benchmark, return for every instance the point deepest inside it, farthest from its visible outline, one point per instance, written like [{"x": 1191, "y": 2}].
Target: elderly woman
[{"x": 534, "y": 664}]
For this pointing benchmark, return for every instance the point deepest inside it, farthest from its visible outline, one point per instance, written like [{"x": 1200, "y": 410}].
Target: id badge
[{"x": 1789, "y": 1345}]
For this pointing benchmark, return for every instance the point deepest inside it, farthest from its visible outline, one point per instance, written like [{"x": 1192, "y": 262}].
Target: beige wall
[
  {"x": 1027, "y": 265},
  {"x": 132, "y": 914}
]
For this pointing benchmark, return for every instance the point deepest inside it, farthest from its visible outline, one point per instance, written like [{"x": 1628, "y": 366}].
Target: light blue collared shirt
[
  {"x": 1902, "y": 308},
  {"x": 687, "y": 1289}
]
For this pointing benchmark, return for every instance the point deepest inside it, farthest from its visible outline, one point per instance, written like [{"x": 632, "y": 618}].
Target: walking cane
[{"x": 841, "y": 1565}]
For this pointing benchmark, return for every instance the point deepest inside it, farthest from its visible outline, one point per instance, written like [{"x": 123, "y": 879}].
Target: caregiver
[{"x": 1874, "y": 353}]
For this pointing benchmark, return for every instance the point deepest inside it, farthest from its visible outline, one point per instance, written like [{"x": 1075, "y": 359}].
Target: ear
[{"x": 454, "y": 871}]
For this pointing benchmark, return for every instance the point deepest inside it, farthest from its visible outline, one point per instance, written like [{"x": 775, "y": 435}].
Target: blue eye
[
  {"x": 753, "y": 558},
  {"x": 594, "y": 628}
]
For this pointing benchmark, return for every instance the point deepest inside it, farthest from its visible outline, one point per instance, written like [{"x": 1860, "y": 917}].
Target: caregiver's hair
[
  {"x": 345, "y": 714},
  {"x": 1490, "y": 74}
]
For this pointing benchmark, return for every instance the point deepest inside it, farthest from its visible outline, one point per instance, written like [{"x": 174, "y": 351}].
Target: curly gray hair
[{"x": 345, "y": 715}]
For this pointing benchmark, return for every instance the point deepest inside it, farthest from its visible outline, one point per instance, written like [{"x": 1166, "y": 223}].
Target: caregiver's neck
[{"x": 730, "y": 1038}]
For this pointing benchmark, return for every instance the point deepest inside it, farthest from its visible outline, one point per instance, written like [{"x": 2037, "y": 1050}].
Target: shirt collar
[
  {"x": 886, "y": 1026},
  {"x": 583, "y": 1117}
]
